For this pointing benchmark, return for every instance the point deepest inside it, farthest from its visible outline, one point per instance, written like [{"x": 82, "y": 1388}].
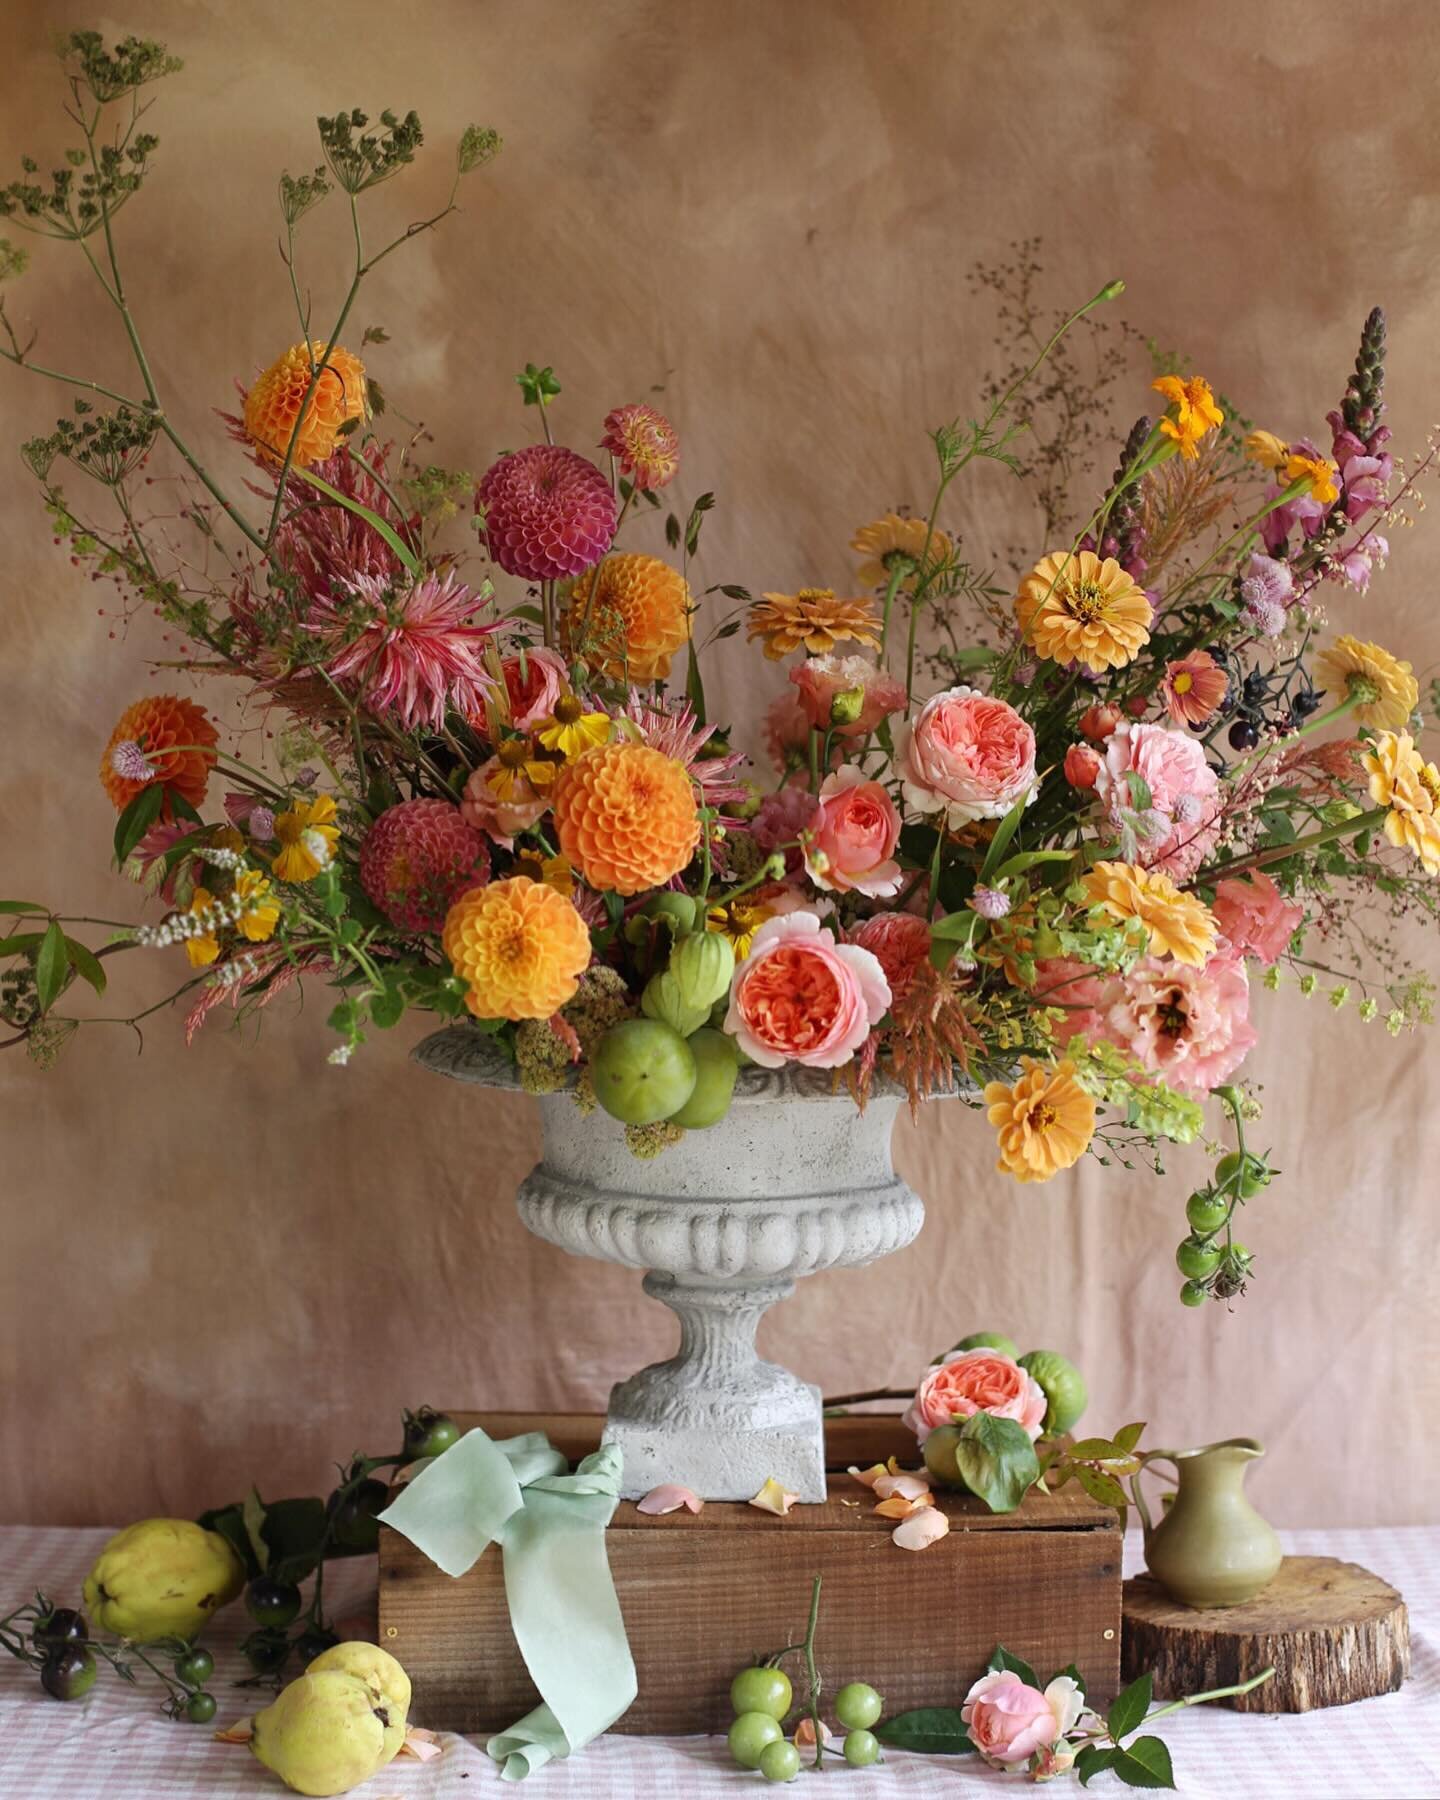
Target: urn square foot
[{"x": 722, "y": 1462}]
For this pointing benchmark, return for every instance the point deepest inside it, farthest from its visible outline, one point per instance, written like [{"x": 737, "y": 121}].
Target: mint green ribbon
[{"x": 550, "y": 1526}]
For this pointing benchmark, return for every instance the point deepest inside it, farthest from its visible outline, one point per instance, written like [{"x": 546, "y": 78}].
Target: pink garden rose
[
  {"x": 1255, "y": 916},
  {"x": 900, "y": 943},
  {"x": 966, "y": 755},
  {"x": 801, "y": 997},
  {"x": 852, "y": 837},
  {"x": 534, "y": 692},
  {"x": 500, "y": 819},
  {"x": 872, "y": 694},
  {"x": 975, "y": 1381},
  {"x": 1009, "y": 1721},
  {"x": 1184, "y": 795}
]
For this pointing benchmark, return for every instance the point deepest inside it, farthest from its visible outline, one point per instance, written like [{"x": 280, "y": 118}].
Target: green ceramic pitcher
[{"x": 1211, "y": 1547}]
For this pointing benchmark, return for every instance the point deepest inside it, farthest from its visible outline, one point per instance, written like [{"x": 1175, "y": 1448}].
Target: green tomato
[
  {"x": 195, "y": 1668},
  {"x": 1197, "y": 1261},
  {"x": 761, "y": 1691},
  {"x": 1062, "y": 1384},
  {"x": 1194, "y": 1293},
  {"x": 751, "y": 1735},
  {"x": 1255, "y": 1177},
  {"x": 428, "y": 1433},
  {"x": 940, "y": 1457},
  {"x": 717, "y": 1063},
  {"x": 68, "y": 1672},
  {"x": 200, "y": 1709},
  {"x": 272, "y": 1603},
  {"x": 1206, "y": 1212},
  {"x": 861, "y": 1749},
  {"x": 780, "y": 1762},
  {"x": 987, "y": 1340},
  {"x": 857, "y": 1705},
  {"x": 643, "y": 1071}
]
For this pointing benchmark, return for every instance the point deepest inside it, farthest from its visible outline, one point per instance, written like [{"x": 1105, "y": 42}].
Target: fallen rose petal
[
  {"x": 867, "y": 1477},
  {"x": 669, "y": 1497},
  {"x": 908, "y": 1487},
  {"x": 774, "y": 1498},
  {"x": 804, "y": 1737},
  {"x": 925, "y": 1526},
  {"x": 240, "y": 1732},
  {"x": 899, "y": 1507},
  {"x": 423, "y": 1745}
]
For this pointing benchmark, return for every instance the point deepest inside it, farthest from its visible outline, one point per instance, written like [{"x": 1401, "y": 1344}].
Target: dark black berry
[{"x": 1244, "y": 735}]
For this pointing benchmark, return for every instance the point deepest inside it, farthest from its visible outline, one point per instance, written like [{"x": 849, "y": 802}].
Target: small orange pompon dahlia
[
  {"x": 272, "y": 405},
  {"x": 635, "y": 622},
  {"x": 626, "y": 817},
  {"x": 164, "y": 739},
  {"x": 519, "y": 947}
]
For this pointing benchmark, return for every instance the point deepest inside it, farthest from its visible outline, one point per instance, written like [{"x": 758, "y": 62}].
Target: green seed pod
[
  {"x": 680, "y": 909},
  {"x": 700, "y": 972}
]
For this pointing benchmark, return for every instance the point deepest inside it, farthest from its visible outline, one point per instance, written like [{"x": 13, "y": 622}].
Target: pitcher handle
[{"x": 1146, "y": 1458}]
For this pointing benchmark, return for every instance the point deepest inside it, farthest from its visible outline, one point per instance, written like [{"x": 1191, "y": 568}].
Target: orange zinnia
[
  {"x": 1045, "y": 1121},
  {"x": 813, "y": 618},
  {"x": 626, "y": 817},
  {"x": 272, "y": 406},
  {"x": 164, "y": 739},
  {"x": 1080, "y": 609},
  {"x": 634, "y": 621},
  {"x": 519, "y": 947}
]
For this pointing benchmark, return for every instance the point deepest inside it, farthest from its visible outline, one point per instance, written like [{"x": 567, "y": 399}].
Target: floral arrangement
[{"x": 1036, "y": 839}]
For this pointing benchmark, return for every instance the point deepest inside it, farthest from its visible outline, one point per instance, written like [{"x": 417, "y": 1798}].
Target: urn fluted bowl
[{"x": 793, "y": 1180}]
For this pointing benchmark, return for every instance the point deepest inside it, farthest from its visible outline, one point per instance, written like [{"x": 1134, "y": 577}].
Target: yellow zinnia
[
  {"x": 307, "y": 835},
  {"x": 1044, "y": 1122},
  {"x": 894, "y": 538},
  {"x": 1402, "y": 780},
  {"x": 814, "y": 619},
  {"x": 1195, "y": 414},
  {"x": 1178, "y": 924},
  {"x": 1080, "y": 609},
  {"x": 1265, "y": 448},
  {"x": 1386, "y": 687}
]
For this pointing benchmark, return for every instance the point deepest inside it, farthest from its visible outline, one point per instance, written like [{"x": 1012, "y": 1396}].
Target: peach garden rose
[
  {"x": 846, "y": 694},
  {"x": 1009, "y": 1721},
  {"x": 966, "y": 755},
  {"x": 852, "y": 836},
  {"x": 801, "y": 997},
  {"x": 975, "y": 1381}
]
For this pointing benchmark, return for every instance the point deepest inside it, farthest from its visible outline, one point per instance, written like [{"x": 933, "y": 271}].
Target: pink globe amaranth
[
  {"x": 548, "y": 512},
  {"x": 819, "y": 679},
  {"x": 1183, "y": 789},
  {"x": 801, "y": 997},
  {"x": 976, "y": 1381},
  {"x": 418, "y": 858},
  {"x": 966, "y": 755},
  {"x": 900, "y": 943},
  {"x": 1255, "y": 916},
  {"x": 850, "y": 843}
]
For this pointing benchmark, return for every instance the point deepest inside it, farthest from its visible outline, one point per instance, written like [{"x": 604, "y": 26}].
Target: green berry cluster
[
  {"x": 1214, "y": 1264},
  {"x": 56, "y": 1640}
]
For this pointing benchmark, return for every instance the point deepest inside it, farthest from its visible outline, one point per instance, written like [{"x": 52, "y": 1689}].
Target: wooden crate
[{"x": 702, "y": 1594}]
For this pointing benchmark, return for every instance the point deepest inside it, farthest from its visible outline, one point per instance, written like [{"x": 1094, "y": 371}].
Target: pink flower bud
[{"x": 1082, "y": 766}]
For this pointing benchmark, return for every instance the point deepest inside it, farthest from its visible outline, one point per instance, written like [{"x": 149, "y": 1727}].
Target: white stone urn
[{"x": 795, "y": 1179}]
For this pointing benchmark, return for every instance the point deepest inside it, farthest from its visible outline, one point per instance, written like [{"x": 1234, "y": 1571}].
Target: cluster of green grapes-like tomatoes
[
  {"x": 761, "y": 1697},
  {"x": 1214, "y": 1264}
]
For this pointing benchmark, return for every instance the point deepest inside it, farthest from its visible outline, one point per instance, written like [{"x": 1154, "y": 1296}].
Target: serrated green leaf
[
  {"x": 137, "y": 818},
  {"x": 937, "y": 1730},
  {"x": 85, "y": 964},
  {"x": 1130, "y": 1706},
  {"x": 1145, "y": 1763},
  {"x": 387, "y": 1009},
  {"x": 51, "y": 966},
  {"x": 1001, "y": 1659},
  {"x": 997, "y": 1461},
  {"x": 1093, "y": 1761}
]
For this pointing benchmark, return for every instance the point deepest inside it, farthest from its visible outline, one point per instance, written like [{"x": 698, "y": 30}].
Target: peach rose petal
[
  {"x": 423, "y": 1745},
  {"x": 669, "y": 1497},
  {"x": 907, "y": 1487},
  {"x": 804, "y": 1737},
  {"x": 867, "y": 1477},
  {"x": 898, "y": 1506},
  {"x": 925, "y": 1526},
  {"x": 240, "y": 1732},
  {"x": 774, "y": 1498}
]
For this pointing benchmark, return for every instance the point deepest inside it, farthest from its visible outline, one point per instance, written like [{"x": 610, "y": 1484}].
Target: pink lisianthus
[
  {"x": 1009, "y": 1721},
  {"x": 499, "y": 819},
  {"x": 801, "y": 997},
  {"x": 900, "y": 943},
  {"x": 1191, "y": 1027},
  {"x": 870, "y": 694},
  {"x": 1183, "y": 790},
  {"x": 966, "y": 755},
  {"x": 1255, "y": 916},
  {"x": 534, "y": 687},
  {"x": 1076, "y": 987},
  {"x": 976, "y": 1381},
  {"x": 787, "y": 732},
  {"x": 851, "y": 840}
]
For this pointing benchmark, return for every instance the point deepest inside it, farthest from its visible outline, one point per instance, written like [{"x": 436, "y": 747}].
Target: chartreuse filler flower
[{"x": 1037, "y": 835}]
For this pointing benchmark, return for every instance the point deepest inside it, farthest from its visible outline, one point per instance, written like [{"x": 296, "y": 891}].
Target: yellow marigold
[
  {"x": 634, "y": 622},
  {"x": 1318, "y": 472},
  {"x": 260, "y": 912},
  {"x": 272, "y": 406},
  {"x": 1079, "y": 609},
  {"x": 813, "y": 618},
  {"x": 1044, "y": 1122},
  {"x": 519, "y": 947},
  {"x": 626, "y": 817},
  {"x": 891, "y": 539},
  {"x": 1265, "y": 448},
  {"x": 1195, "y": 412},
  {"x": 1387, "y": 690},
  {"x": 307, "y": 835},
  {"x": 1401, "y": 779},
  {"x": 1179, "y": 925}
]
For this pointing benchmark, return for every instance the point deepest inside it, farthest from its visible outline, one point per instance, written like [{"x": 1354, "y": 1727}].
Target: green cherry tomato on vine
[
  {"x": 312, "y": 1643},
  {"x": 266, "y": 1651},
  {"x": 59, "y": 1628},
  {"x": 761, "y": 1691},
  {"x": 1206, "y": 1212},
  {"x": 200, "y": 1709},
  {"x": 751, "y": 1735},
  {"x": 195, "y": 1668},
  {"x": 861, "y": 1749},
  {"x": 428, "y": 1433},
  {"x": 780, "y": 1761},
  {"x": 1194, "y": 1293},
  {"x": 1255, "y": 1177},
  {"x": 857, "y": 1706},
  {"x": 69, "y": 1672},
  {"x": 1197, "y": 1261},
  {"x": 272, "y": 1603}
]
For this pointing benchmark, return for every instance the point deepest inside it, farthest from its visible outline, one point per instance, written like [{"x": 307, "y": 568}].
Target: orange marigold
[
  {"x": 635, "y": 622},
  {"x": 626, "y": 817},
  {"x": 272, "y": 405},
  {"x": 519, "y": 947},
  {"x": 164, "y": 739}
]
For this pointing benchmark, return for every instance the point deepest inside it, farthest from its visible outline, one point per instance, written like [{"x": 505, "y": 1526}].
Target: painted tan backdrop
[{"x": 238, "y": 1263}]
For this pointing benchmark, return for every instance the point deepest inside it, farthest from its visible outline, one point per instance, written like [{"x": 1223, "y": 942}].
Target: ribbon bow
[{"x": 550, "y": 1525}]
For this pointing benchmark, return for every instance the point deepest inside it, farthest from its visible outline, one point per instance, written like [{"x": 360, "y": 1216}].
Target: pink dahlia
[
  {"x": 548, "y": 512},
  {"x": 418, "y": 858},
  {"x": 847, "y": 694},
  {"x": 1172, "y": 804},
  {"x": 900, "y": 943},
  {"x": 644, "y": 444},
  {"x": 781, "y": 819}
]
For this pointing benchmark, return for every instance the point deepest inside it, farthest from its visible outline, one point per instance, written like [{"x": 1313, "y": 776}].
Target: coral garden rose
[
  {"x": 801, "y": 997},
  {"x": 900, "y": 943},
  {"x": 1009, "y": 1721},
  {"x": 1255, "y": 916},
  {"x": 851, "y": 839},
  {"x": 1184, "y": 791},
  {"x": 534, "y": 683},
  {"x": 847, "y": 694},
  {"x": 499, "y": 819},
  {"x": 976, "y": 1381},
  {"x": 966, "y": 755}
]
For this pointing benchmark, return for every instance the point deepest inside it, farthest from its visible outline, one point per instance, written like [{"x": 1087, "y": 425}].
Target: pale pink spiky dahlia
[
  {"x": 548, "y": 512},
  {"x": 418, "y": 858},
  {"x": 644, "y": 444}
]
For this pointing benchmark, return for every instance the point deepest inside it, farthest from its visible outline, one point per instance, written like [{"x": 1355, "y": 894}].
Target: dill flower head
[
  {"x": 165, "y": 739},
  {"x": 519, "y": 946},
  {"x": 629, "y": 616},
  {"x": 1080, "y": 609},
  {"x": 1177, "y": 923},
  {"x": 626, "y": 817},
  {"x": 644, "y": 444},
  {"x": 273, "y": 405},
  {"x": 1044, "y": 1123},
  {"x": 1387, "y": 688},
  {"x": 548, "y": 512},
  {"x": 813, "y": 618}
]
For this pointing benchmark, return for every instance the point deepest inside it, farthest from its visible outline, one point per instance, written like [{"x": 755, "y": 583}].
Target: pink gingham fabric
[{"x": 116, "y": 1745}]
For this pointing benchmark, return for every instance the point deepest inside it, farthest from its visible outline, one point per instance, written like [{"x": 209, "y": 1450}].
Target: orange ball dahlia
[
  {"x": 637, "y": 620},
  {"x": 644, "y": 444},
  {"x": 626, "y": 817},
  {"x": 272, "y": 406},
  {"x": 164, "y": 739},
  {"x": 519, "y": 946}
]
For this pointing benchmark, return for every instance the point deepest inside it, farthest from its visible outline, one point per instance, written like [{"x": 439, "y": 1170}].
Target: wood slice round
[{"x": 1333, "y": 1631}]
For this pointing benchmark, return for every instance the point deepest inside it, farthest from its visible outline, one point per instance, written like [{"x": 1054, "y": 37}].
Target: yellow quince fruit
[
  {"x": 161, "y": 1578},
  {"x": 388, "y": 1683},
  {"x": 325, "y": 1734}
]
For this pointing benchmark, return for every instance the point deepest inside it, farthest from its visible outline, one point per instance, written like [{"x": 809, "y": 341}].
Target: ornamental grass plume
[
  {"x": 628, "y": 617},
  {"x": 626, "y": 817},
  {"x": 518, "y": 946},
  {"x": 548, "y": 512},
  {"x": 337, "y": 401},
  {"x": 418, "y": 858},
  {"x": 162, "y": 738}
]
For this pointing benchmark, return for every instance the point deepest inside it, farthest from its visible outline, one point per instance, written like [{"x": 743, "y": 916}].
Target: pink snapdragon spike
[
  {"x": 669, "y": 1497},
  {"x": 548, "y": 513},
  {"x": 921, "y": 1529}
]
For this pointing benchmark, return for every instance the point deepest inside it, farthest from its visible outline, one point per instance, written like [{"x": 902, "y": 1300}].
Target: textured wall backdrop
[{"x": 237, "y": 1263}]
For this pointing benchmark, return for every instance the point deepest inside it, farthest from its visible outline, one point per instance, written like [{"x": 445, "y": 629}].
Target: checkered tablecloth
[{"x": 116, "y": 1745}]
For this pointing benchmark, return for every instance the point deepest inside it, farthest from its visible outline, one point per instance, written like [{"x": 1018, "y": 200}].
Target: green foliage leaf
[
  {"x": 252, "y": 1515},
  {"x": 85, "y": 964},
  {"x": 1030, "y": 859},
  {"x": 937, "y": 1730},
  {"x": 1103, "y": 1488},
  {"x": 22, "y": 906},
  {"x": 51, "y": 966},
  {"x": 1130, "y": 1706},
  {"x": 1145, "y": 1763},
  {"x": 229, "y": 1523},
  {"x": 997, "y": 1461},
  {"x": 294, "y": 1533},
  {"x": 371, "y": 518},
  {"x": 137, "y": 818},
  {"x": 1128, "y": 1436},
  {"x": 1000, "y": 843},
  {"x": 387, "y": 1009},
  {"x": 1002, "y": 1660},
  {"x": 21, "y": 943},
  {"x": 1093, "y": 1761}
]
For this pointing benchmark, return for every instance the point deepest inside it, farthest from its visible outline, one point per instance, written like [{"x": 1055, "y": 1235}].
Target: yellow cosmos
[
  {"x": 739, "y": 920},
  {"x": 1178, "y": 924},
  {"x": 1401, "y": 779},
  {"x": 307, "y": 835},
  {"x": 261, "y": 910},
  {"x": 1386, "y": 687},
  {"x": 1195, "y": 413},
  {"x": 893, "y": 539},
  {"x": 572, "y": 730},
  {"x": 1265, "y": 448},
  {"x": 205, "y": 946},
  {"x": 1080, "y": 609},
  {"x": 1044, "y": 1123},
  {"x": 1318, "y": 471}
]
